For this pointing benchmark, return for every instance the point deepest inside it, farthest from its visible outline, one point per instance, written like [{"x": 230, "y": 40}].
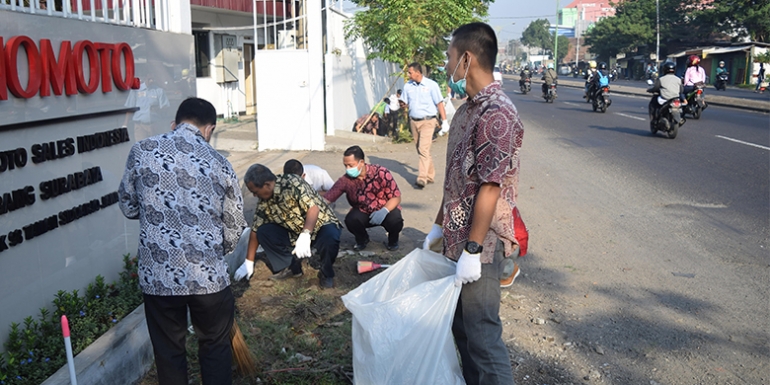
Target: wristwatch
[{"x": 473, "y": 247}]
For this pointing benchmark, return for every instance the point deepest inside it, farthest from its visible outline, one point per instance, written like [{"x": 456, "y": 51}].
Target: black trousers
[
  {"x": 277, "y": 244},
  {"x": 357, "y": 222},
  {"x": 212, "y": 317}
]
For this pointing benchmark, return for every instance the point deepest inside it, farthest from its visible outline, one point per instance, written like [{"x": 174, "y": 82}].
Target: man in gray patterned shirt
[{"x": 188, "y": 201}]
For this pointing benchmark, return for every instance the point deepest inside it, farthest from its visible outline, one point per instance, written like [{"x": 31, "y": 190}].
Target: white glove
[
  {"x": 245, "y": 271},
  {"x": 435, "y": 235},
  {"x": 378, "y": 216},
  {"x": 468, "y": 268},
  {"x": 444, "y": 128},
  {"x": 302, "y": 248}
]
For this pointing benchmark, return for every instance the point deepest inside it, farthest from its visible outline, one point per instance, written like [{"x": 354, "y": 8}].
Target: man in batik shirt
[
  {"x": 476, "y": 218},
  {"x": 290, "y": 214},
  {"x": 190, "y": 210},
  {"x": 374, "y": 198}
]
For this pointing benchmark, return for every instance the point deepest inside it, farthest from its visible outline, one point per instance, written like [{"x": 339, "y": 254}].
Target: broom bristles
[{"x": 242, "y": 356}]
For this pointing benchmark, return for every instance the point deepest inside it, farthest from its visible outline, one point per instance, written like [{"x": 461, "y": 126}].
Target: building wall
[
  {"x": 357, "y": 84},
  {"x": 228, "y": 98},
  {"x": 70, "y": 254}
]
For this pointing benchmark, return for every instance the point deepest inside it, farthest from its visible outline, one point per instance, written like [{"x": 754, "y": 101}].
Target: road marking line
[
  {"x": 572, "y": 104},
  {"x": 631, "y": 116},
  {"x": 742, "y": 142}
]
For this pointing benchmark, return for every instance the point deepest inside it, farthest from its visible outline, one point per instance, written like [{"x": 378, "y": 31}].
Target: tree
[
  {"x": 404, "y": 31},
  {"x": 740, "y": 18},
  {"x": 537, "y": 35}
]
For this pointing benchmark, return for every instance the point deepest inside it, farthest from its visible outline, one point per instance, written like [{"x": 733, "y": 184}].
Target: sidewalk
[
  {"x": 639, "y": 89},
  {"x": 237, "y": 142}
]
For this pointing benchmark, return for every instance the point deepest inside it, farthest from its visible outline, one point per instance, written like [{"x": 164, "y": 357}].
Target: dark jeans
[
  {"x": 478, "y": 330},
  {"x": 275, "y": 240},
  {"x": 357, "y": 222},
  {"x": 212, "y": 316}
]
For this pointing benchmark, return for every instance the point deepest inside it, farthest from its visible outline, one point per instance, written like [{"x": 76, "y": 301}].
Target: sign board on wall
[{"x": 70, "y": 109}]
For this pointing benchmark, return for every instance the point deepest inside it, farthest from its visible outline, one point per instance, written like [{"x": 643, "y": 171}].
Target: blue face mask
[
  {"x": 459, "y": 86},
  {"x": 353, "y": 172}
]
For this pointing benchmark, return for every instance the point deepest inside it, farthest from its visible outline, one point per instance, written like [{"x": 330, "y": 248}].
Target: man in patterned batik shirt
[
  {"x": 476, "y": 215},
  {"x": 289, "y": 219},
  {"x": 374, "y": 198},
  {"x": 190, "y": 210}
]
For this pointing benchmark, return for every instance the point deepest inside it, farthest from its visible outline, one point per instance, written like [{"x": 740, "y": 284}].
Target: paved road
[
  {"x": 730, "y": 91},
  {"x": 658, "y": 248}
]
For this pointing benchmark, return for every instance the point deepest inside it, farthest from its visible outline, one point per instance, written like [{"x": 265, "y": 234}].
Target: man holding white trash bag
[{"x": 476, "y": 215}]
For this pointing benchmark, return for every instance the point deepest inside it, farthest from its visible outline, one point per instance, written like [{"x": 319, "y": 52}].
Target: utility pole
[
  {"x": 556, "y": 37},
  {"x": 657, "y": 31}
]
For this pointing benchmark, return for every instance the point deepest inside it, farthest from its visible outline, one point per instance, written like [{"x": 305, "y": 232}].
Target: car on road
[{"x": 498, "y": 76}]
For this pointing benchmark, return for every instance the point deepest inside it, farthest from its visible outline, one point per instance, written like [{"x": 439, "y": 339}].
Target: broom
[
  {"x": 242, "y": 356},
  {"x": 367, "y": 266}
]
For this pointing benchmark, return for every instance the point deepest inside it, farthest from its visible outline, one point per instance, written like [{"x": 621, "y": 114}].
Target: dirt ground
[{"x": 578, "y": 314}]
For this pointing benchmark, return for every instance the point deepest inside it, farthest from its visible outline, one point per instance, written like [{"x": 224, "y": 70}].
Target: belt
[{"x": 423, "y": 118}]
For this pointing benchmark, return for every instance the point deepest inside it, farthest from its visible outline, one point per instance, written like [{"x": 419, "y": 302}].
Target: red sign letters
[{"x": 65, "y": 74}]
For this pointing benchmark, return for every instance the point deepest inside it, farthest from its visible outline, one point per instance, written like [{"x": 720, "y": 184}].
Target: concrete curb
[{"x": 123, "y": 355}]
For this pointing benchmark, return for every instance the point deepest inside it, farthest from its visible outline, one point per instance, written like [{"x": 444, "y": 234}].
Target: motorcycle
[
  {"x": 721, "y": 83},
  {"x": 600, "y": 99},
  {"x": 695, "y": 102},
  {"x": 550, "y": 93},
  {"x": 526, "y": 86},
  {"x": 667, "y": 118}
]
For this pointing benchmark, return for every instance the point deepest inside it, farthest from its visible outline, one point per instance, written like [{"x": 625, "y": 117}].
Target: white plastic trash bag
[
  {"x": 238, "y": 255},
  {"x": 402, "y": 323}
]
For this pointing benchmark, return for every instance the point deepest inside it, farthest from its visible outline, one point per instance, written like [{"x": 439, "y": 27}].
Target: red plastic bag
[{"x": 520, "y": 231}]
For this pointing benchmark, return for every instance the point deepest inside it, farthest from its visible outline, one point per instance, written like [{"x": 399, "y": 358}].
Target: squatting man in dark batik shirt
[{"x": 289, "y": 219}]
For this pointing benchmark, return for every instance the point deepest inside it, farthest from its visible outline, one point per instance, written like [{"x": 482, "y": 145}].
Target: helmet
[
  {"x": 526, "y": 68},
  {"x": 669, "y": 67},
  {"x": 592, "y": 64},
  {"x": 602, "y": 66},
  {"x": 721, "y": 63},
  {"x": 693, "y": 60},
  {"x": 550, "y": 65}
]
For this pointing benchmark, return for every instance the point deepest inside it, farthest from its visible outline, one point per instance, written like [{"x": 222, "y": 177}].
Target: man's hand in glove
[
  {"x": 468, "y": 268},
  {"x": 302, "y": 248},
  {"x": 245, "y": 271},
  {"x": 378, "y": 216},
  {"x": 444, "y": 128},
  {"x": 435, "y": 235}
]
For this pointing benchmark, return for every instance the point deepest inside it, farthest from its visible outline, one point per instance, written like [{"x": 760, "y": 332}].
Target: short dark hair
[
  {"x": 258, "y": 175},
  {"x": 480, "y": 39},
  {"x": 398, "y": 92},
  {"x": 196, "y": 111},
  {"x": 416, "y": 66},
  {"x": 293, "y": 166},
  {"x": 357, "y": 152}
]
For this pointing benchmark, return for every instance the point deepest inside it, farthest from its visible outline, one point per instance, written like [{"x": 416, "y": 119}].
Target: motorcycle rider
[
  {"x": 668, "y": 86},
  {"x": 721, "y": 71},
  {"x": 600, "y": 79},
  {"x": 589, "y": 77},
  {"x": 549, "y": 77},
  {"x": 525, "y": 74},
  {"x": 695, "y": 74}
]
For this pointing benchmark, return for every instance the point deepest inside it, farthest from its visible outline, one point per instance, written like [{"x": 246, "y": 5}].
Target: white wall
[
  {"x": 357, "y": 84},
  {"x": 219, "y": 94}
]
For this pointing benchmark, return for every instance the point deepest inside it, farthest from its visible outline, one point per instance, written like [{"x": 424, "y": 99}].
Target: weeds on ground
[{"x": 35, "y": 350}]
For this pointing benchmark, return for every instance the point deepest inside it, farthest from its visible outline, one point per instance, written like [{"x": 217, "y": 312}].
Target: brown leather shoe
[{"x": 506, "y": 282}]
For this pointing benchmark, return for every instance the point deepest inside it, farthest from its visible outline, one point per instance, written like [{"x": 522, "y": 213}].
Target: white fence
[{"x": 152, "y": 14}]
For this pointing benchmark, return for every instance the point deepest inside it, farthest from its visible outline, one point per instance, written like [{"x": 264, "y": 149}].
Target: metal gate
[{"x": 289, "y": 70}]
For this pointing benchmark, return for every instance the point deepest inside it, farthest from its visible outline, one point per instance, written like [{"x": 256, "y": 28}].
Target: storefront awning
[{"x": 729, "y": 49}]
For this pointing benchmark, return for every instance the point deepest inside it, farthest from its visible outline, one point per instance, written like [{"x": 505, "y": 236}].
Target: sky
[{"x": 504, "y": 13}]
